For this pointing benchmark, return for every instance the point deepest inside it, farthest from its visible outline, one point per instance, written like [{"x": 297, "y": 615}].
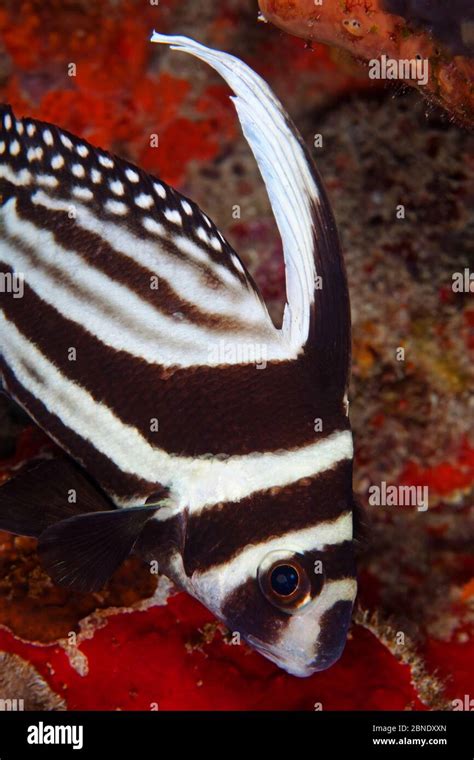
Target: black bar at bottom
[{"x": 374, "y": 734}]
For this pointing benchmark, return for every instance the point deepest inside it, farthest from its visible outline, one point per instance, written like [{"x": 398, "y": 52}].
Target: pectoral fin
[
  {"x": 82, "y": 538},
  {"x": 45, "y": 492},
  {"x": 82, "y": 552}
]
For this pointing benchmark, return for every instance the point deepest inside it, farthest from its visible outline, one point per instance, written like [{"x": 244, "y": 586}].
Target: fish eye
[{"x": 284, "y": 581}]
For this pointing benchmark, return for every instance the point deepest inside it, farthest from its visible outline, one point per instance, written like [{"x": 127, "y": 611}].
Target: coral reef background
[
  {"x": 137, "y": 644},
  {"x": 439, "y": 34}
]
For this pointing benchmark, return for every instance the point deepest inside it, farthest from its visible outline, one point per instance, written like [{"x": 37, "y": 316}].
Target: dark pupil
[{"x": 284, "y": 580}]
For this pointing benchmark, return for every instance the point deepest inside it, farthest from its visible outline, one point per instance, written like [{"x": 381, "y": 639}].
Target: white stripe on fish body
[
  {"x": 221, "y": 580},
  {"x": 163, "y": 265},
  {"x": 194, "y": 482},
  {"x": 214, "y": 481},
  {"x": 134, "y": 325},
  {"x": 239, "y": 302},
  {"x": 196, "y": 253},
  {"x": 296, "y": 644},
  {"x": 285, "y": 171}
]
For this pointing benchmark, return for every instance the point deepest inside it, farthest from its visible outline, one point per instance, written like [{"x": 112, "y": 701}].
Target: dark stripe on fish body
[
  {"x": 219, "y": 533},
  {"x": 145, "y": 184},
  {"x": 113, "y": 480},
  {"x": 59, "y": 274},
  {"x": 233, "y": 409},
  {"x": 161, "y": 540},
  {"x": 96, "y": 251},
  {"x": 247, "y": 610},
  {"x": 337, "y": 561},
  {"x": 332, "y": 637}
]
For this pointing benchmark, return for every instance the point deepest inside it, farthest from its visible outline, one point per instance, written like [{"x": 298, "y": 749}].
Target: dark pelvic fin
[
  {"x": 45, "y": 492},
  {"x": 82, "y": 552}
]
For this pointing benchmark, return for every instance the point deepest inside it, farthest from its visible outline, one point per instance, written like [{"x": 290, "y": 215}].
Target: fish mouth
[
  {"x": 292, "y": 665},
  {"x": 315, "y": 640},
  {"x": 296, "y": 663}
]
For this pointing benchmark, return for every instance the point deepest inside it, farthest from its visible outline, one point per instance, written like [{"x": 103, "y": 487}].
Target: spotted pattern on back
[{"x": 35, "y": 154}]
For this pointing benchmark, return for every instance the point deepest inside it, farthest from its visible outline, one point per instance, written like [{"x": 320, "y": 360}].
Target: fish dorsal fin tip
[
  {"x": 285, "y": 176},
  {"x": 300, "y": 206}
]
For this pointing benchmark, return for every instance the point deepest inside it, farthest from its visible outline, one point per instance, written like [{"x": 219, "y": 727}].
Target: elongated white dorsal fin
[
  {"x": 302, "y": 212},
  {"x": 285, "y": 171}
]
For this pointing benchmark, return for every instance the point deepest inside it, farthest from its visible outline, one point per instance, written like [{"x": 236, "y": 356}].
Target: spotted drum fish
[{"x": 195, "y": 433}]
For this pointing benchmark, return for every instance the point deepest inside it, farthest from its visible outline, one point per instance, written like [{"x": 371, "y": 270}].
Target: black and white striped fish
[{"x": 134, "y": 346}]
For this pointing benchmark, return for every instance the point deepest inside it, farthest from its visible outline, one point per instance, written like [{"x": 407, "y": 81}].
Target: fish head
[{"x": 291, "y": 605}]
